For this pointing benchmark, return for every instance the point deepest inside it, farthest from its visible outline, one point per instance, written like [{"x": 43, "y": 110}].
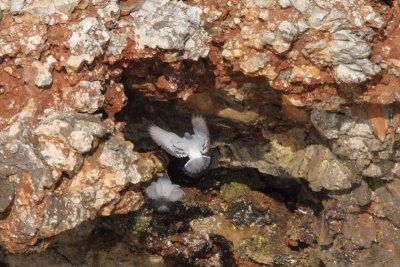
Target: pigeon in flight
[
  {"x": 190, "y": 145},
  {"x": 163, "y": 193}
]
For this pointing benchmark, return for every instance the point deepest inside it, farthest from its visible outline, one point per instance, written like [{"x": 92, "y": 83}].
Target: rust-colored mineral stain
[
  {"x": 58, "y": 34},
  {"x": 243, "y": 262},
  {"x": 378, "y": 119},
  {"x": 163, "y": 83},
  {"x": 395, "y": 123},
  {"x": 26, "y": 189},
  {"x": 294, "y": 113},
  {"x": 13, "y": 96},
  {"x": 129, "y": 201},
  {"x": 132, "y": 52},
  {"x": 385, "y": 90},
  {"x": 114, "y": 99}
]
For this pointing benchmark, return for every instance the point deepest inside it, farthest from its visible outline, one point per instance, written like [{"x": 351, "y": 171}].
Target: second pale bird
[
  {"x": 164, "y": 193},
  {"x": 190, "y": 145}
]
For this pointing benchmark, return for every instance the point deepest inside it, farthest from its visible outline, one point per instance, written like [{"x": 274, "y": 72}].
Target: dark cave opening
[{"x": 162, "y": 108}]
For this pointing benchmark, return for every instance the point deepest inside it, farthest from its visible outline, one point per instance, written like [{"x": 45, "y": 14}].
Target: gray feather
[
  {"x": 201, "y": 133},
  {"x": 162, "y": 207},
  {"x": 192, "y": 146},
  {"x": 200, "y": 126},
  {"x": 173, "y": 144},
  {"x": 164, "y": 190}
]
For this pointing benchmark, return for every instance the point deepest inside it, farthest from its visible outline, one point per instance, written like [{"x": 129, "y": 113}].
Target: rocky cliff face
[{"x": 301, "y": 98}]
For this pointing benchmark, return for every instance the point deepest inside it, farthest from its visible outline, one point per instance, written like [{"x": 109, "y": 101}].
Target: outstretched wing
[
  {"x": 176, "y": 193},
  {"x": 201, "y": 132},
  {"x": 169, "y": 141},
  {"x": 151, "y": 191}
]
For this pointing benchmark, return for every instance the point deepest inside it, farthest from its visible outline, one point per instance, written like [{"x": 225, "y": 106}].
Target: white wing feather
[
  {"x": 164, "y": 190},
  {"x": 163, "y": 187},
  {"x": 169, "y": 141},
  {"x": 201, "y": 132},
  {"x": 151, "y": 191},
  {"x": 197, "y": 165}
]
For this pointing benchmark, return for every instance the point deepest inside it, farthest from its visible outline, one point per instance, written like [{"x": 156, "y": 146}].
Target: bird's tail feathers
[{"x": 197, "y": 165}]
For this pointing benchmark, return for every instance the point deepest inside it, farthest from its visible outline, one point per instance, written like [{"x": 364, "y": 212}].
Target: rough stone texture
[
  {"x": 86, "y": 97},
  {"x": 86, "y": 42},
  {"x": 7, "y": 188},
  {"x": 43, "y": 76},
  {"x": 291, "y": 158},
  {"x": 302, "y": 95},
  {"x": 54, "y": 184},
  {"x": 47, "y": 11},
  {"x": 356, "y": 141},
  {"x": 171, "y": 25}
]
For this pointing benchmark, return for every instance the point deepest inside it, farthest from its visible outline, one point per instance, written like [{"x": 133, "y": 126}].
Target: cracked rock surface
[
  {"x": 301, "y": 98},
  {"x": 37, "y": 166}
]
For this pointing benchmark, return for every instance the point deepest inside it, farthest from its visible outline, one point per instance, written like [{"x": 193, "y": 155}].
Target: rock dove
[
  {"x": 190, "y": 145},
  {"x": 163, "y": 193}
]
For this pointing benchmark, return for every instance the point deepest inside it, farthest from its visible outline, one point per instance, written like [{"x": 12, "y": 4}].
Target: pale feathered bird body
[
  {"x": 164, "y": 193},
  {"x": 190, "y": 145}
]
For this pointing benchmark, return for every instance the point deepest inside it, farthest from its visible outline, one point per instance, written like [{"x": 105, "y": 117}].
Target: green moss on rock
[
  {"x": 233, "y": 191},
  {"x": 259, "y": 249}
]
